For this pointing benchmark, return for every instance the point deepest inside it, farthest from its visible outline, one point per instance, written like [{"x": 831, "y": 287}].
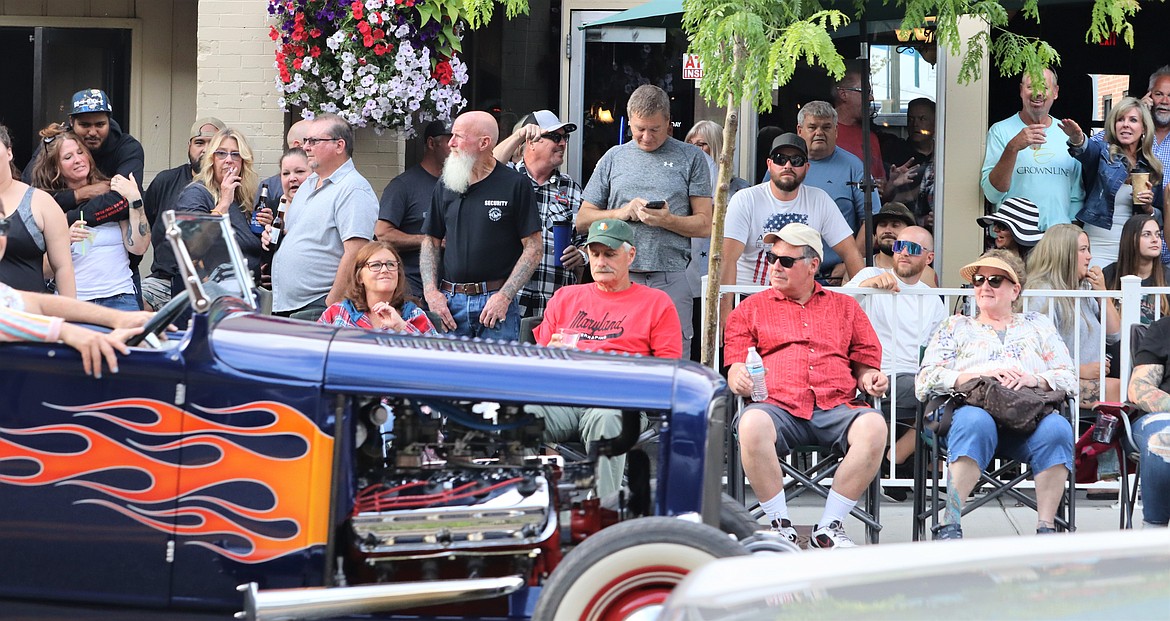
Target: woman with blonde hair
[
  {"x": 1121, "y": 175},
  {"x": 101, "y": 254},
  {"x": 37, "y": 228},
  {"x": 226, "y": 184},
  {"x": 1061, "y": 262}
]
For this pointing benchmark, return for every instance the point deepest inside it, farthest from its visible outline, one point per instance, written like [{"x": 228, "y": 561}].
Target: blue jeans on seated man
[
  {"x": 465, "y": 309},
  {"x": 974, "y": 434},
  {"x": 1151, "y": 433}
]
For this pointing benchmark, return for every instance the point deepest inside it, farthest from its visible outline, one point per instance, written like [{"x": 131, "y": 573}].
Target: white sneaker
[
  {"x": 784, "y": 529},
  {"x": 831, "y": 536}
]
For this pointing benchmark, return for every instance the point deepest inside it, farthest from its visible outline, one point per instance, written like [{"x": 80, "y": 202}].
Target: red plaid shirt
[{"x": 808, "y": 349}]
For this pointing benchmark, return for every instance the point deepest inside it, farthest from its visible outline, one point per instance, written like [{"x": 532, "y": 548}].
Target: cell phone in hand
[{"x": 655, "y": 204}]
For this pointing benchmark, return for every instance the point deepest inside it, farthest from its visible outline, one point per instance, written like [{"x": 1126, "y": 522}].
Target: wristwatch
[{"x": 136, "y": 204}]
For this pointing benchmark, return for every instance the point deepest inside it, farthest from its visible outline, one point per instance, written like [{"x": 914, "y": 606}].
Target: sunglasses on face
[
  {"x": 555, "y": 138},
  {"x": 911, "y": 248},
  {"x": 785, "y": 262},
  {"x": 223, "y": 155},
  {"x": 781, "y": 159},
  {"x": 994, "y": 281}
]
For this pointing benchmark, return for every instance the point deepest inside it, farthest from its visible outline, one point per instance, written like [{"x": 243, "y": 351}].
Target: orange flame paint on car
[{"x": 278, "y": 472}]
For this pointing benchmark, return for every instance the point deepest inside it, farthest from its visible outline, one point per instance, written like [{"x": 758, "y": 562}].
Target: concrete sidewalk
[{"x": 999, "y": 518}]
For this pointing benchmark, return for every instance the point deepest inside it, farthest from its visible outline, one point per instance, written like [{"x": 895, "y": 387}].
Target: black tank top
[{"x": 21, "y": 267}]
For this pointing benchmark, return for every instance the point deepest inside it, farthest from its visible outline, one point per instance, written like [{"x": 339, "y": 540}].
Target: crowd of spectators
[{"x": 486, "y": 231}]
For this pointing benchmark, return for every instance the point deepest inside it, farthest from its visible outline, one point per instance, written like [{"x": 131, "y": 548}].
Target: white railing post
[{"x": 1131, "y": 313}]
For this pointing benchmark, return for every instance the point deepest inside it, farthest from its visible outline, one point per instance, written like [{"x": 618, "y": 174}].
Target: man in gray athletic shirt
[{"x": 662, "y": 186}]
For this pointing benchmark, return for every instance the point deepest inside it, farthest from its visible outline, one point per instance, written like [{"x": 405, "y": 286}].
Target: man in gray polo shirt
[
  {"x": 331, "y": 217},
  {"x": 662, "y": 186}
]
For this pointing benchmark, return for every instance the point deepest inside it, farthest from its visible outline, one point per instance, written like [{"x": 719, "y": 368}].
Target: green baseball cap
[{"x": 612, "y": 233}]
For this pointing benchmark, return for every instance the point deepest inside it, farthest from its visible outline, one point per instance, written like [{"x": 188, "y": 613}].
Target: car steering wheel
[{"x": 163, "y": 318}]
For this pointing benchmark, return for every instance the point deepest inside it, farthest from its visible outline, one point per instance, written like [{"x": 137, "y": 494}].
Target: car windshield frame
[{"x": 210, "y": 261}]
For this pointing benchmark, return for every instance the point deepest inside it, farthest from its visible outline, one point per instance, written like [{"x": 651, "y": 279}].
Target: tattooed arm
[
  {"x": 1144, "y": 388},
  {"x": 497, "y": 305},
  {"x": 428, "y": 261}
]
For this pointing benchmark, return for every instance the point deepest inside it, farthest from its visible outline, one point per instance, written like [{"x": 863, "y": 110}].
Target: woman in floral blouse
[{"x": 1018, "y": 349}]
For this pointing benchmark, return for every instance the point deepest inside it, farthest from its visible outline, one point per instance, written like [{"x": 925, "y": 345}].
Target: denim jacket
[{"x": 1102, "y": 178}]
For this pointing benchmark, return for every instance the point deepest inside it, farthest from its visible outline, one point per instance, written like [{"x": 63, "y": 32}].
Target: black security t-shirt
[
  {"x": 1155, "y": 349},
  {"x": 483, "y": 228}
]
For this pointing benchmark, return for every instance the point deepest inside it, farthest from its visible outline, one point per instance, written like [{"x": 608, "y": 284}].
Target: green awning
[{"x": 655, "y": 13}]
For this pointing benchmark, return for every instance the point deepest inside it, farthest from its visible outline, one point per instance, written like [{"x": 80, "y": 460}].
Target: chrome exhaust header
[{"x": 324, "y": 602}]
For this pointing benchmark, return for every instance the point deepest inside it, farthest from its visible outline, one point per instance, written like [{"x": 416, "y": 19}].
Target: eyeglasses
[
  {"x": 995, "y": 281},
  {"x": 312, "y": 142},
  {"x": 785, "y": 262},
  {"x": 781, "y": 159},
  {"x": 223, "y": 155},
  {"x": 381, "y": 266},
  {"x": 555, "y": 138},
  {"x": 913, "y": 249},
  {"x": 852, "y": 89}
]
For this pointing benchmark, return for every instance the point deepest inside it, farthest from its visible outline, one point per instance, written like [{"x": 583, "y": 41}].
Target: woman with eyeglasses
[
  {"x": 1060, "y": 262},
  {"x": 37, "y": 227},
  {"x": 1139, "y": 254},
  {"x": 100, "y": 254},
  {"x": 376, "y": 295},
  {"x": 226, "y": 184},
  {"x": 1019, "y": 350}
]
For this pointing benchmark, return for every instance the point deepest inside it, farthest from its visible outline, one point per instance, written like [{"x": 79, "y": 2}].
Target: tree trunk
[{"x": 718, "y": 214}]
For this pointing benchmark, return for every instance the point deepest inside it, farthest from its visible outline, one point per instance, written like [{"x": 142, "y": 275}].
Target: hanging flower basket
[{"x": 385, "y": 64}]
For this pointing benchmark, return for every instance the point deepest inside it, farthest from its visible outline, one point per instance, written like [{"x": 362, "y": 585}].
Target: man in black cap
[
  {"x": 558, "y": 198},
  {"x": 887, "y": 225},
  {"x": 407, "y": 198},
  {"x": 114, "y": 153},
  {"x": 781, "y": 200}
]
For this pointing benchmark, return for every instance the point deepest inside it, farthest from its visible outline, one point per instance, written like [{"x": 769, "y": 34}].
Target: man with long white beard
[{"x": 485, "y": 226}]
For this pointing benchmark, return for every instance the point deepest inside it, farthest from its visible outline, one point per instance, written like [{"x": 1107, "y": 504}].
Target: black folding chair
[{"x": 998, "y": 481}]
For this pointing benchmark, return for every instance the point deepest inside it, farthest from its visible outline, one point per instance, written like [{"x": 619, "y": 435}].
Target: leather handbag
[{"x": 1017, "y": 410}]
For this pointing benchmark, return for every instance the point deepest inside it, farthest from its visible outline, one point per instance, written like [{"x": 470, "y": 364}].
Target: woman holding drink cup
[
  {"x": 1121, "y": 175},
  {"x": 100, "y": 254}
]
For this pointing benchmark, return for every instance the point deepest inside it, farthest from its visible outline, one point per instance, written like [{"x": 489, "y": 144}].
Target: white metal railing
[{"x": 1129, "y": 296}]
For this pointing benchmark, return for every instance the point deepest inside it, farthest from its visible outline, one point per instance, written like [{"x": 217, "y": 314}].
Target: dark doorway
[{"x": 45, "y": 66}]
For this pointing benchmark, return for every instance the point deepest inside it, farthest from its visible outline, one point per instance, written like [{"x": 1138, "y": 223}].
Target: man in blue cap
[{"x": 114, "y": 153}]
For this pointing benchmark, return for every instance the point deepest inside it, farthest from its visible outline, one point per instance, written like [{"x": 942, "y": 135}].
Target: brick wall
[{"x": 237, "y": 84}]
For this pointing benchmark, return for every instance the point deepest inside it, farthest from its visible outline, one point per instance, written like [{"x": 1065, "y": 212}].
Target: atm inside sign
[{"x": 692, "y": 67}]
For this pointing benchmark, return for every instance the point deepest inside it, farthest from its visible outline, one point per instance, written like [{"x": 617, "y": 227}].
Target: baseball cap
[
  {"x": 789, "y": 140},
  {"x": 197, "y": 127},
  {"x": 894, "y": 210},
  {"x": 437, "y": 128},
  {"x": 612, "y": 233},
  {"x": 796, "y": 234},
  {"x": 548, "y": 122},
  {"x": 90, "y": 100}
]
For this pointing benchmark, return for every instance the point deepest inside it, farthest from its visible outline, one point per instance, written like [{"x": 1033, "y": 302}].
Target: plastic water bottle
[{"x": 755, "y": 368}]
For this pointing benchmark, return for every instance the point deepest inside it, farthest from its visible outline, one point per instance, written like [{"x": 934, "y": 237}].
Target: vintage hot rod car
[{"x": 281, "y": 469}]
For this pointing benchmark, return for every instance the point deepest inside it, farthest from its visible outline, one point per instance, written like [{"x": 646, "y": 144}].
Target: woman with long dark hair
[{"x": 1139, "y": 254}]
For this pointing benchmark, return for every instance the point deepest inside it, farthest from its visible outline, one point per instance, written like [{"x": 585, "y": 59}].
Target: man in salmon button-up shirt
[{"x": 819, "y": 350}]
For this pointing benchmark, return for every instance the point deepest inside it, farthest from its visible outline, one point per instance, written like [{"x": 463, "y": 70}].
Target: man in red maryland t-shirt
[{"x": 610, "y": 314}]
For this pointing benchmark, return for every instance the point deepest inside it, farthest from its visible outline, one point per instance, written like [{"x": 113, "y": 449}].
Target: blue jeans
[
  {"x": 1151, "y": 433},
  {"x": 122, "y": 302},
  {"x": 465, "y": 309},
  {"x": 974, "y": 434}
]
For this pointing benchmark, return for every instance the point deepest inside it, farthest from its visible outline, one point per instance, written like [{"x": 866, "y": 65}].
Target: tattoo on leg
[{"x": 954, "y": 510}]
